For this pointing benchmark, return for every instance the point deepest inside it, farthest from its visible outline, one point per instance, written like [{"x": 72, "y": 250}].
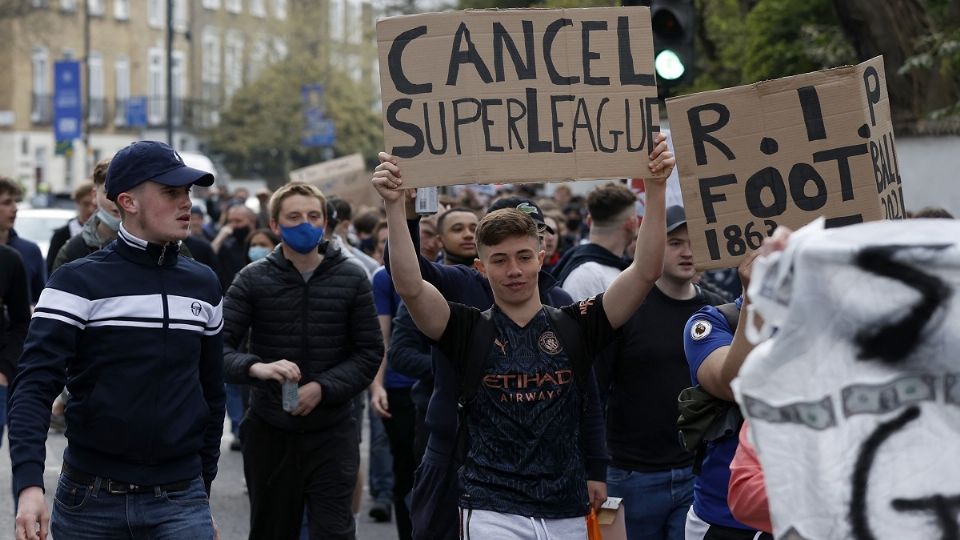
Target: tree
[{"x": 260, "y": 131}]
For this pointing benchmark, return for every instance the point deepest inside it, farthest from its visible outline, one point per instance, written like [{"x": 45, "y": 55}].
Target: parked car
[{"x": 38, "y": 224}]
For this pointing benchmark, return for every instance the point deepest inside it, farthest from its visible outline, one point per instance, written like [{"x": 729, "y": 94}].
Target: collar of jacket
[
  {"x": 146, "y": 253},
  {"x": 331, "y": 254}
]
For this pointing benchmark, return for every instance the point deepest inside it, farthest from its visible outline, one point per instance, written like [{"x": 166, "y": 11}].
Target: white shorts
[{"x": 484, "y": 525}]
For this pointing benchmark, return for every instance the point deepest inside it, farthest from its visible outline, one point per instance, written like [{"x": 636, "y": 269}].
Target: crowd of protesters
[{"x": 518, "y": 358}]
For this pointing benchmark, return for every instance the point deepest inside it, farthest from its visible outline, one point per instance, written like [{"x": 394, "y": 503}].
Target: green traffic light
[{"x": 668, "y": 65}]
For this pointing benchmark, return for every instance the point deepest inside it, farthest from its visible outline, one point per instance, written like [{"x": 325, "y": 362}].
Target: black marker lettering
[
  {"x": 395, "y": 63},
  {"x": 699, "y": 130}
]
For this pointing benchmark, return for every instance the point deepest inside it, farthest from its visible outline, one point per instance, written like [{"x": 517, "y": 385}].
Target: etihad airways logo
[{"x": 525, "y": 387}]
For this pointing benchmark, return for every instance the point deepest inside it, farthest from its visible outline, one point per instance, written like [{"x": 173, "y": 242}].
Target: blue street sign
[
  {"x": 67, "y": 106},
  {"x": 137, "y": 111},
  {"x": 318, "y": 130}
]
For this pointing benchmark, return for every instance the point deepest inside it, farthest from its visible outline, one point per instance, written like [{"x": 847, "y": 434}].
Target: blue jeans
[
  {"x": 655, "y": 503},
  {"x": 235, "y": 409},
  {"x": 381, "y": 460},
  {"x": 90, "y": 512}
]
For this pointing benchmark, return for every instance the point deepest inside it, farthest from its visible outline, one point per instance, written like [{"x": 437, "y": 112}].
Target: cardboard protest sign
[
  {"x": 784, "y": 152},
  {"x": 344, "y": 177},
  {"x": 518, "y": 95}
]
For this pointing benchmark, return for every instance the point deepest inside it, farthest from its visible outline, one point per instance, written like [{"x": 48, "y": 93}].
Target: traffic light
[{"x": 674, "y": 31}]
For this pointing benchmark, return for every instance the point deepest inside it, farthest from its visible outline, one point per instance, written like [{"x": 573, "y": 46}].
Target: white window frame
[
  {"x": 353, "y": 29},
  {"x": 211, "y": 55},
  {"x": 40, "y": 77},
  {"x": 234, "y": 6},
  {"x": 211, "y": 4},
  {"x": 232, "y": 63},
  {"x": 95, "y": 88},
  {"x": 156, "y": 13},
  {"x": 258, "y": 8},
  {"x": 181, "y": 15},
  {"x": 121, "y": 89},
  {"x": 121, "y": 10},
  {"x": 280, "y": 9},
  {"x": 156, "y": 85},
  {"x": 68, "y": 5},
  {"x": 95, "y": 7},
  {"x": 337, "y": 17},
  {"x": 259, "y": 56},
  {"x": 279, "y": 50}
]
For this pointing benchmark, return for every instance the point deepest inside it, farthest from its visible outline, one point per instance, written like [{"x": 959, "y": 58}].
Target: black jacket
[
  {"x": 134, "y": 330},
  {"x": 327, "y": 326}
]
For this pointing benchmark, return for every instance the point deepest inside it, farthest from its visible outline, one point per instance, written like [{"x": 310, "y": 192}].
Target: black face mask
[
  {"x": 574, "y": 224},
  {"x": 240, "y": 234}
]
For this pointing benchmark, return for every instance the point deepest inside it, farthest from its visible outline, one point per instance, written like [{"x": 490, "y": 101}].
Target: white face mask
[{"x": 108, "y": 219}]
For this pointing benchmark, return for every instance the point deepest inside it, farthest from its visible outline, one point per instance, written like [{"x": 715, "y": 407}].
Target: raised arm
[
  {"x": 628, "y": 290},
  {"x": 427, "y": 307}
]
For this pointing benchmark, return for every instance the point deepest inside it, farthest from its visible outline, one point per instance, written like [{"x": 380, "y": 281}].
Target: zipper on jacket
[
  {"x": 163, "y": 254},
  {"x": 303, "y": 343}
]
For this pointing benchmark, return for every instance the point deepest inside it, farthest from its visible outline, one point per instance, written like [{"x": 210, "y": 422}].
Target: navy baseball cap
[
  {"x": 526, "y": 206},
  {"x": 675, "y": 218},
  {"x": 144, "y": 161}
]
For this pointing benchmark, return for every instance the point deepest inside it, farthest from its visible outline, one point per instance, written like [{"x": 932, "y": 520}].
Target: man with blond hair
[{"x": 311, "y": 321}]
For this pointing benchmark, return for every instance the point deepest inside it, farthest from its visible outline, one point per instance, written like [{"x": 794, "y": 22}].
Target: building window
[
  {"x": 156, "y": 87},
  {"x": 211, "y": 55},
  {"x": 279, "y": 50},
  {"x": 353, "y": 24},
  {"x": 178, "y": 75},
  {"x": 41, "y": 110},
  {"x": 121, "y": 9},
  {"x": 94, "y": 7},
  {"x": 280, "y": 9},
  {"x": 257, "y": 8},
  {"x": 180, "y": 15},
  {"x": 95, "y": 101},
  {"x": 68, "y": 5},
  {"x": 121, "y": 71},
  {"x": 234, "y": 6},
  {"x": 39, "y": 3},
  {"x": 258, "y": 58},
  {"x": 233, "y": 63},
  {"x": 156, "y": 13},
  {"x": 211, "y": 4},
  {"x": 337, "y": 16}
]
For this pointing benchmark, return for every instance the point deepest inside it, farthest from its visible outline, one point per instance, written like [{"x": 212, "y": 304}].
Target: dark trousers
[
  {"x": 286, "y": 471},
  {"x": 400, "y": 430}
]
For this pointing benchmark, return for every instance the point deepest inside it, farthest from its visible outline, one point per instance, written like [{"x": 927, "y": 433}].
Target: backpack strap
[{"x": 470, "y": 376}]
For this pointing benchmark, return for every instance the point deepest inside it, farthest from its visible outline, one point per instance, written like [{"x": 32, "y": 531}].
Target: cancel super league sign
[
  {"x": 784, "y": 152},
  {"x": 518, "y": 95}
]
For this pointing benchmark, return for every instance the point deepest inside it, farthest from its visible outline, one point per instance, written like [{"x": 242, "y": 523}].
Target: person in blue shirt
[
  {"x": 29, "y": 251},
  {"x": 715, "y": 353}
]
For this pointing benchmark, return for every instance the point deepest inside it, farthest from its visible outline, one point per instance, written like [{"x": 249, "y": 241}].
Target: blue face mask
[
  {"x": 257, "y": 252},
  {"x": 112, "y": 222},
  {"x": 303, "y": 238}
]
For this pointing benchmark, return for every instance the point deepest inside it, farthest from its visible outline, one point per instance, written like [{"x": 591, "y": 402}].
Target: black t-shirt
[
  {"x": 524, "y": 456},
  {"x": 648, "y": 371}
]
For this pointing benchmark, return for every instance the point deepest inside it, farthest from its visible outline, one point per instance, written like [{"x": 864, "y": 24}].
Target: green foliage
[
  {"x": 778, "y": 39},
  {"x": 259, "y": 132},
  {"x": 771, "y": 39}
]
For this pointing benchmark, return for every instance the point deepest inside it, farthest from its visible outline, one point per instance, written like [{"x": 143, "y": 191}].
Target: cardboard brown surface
[
  {"x": 482, "y": 76},
  {"x": 784, "y": 152},
  {"x": 344, "y": 177}
]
